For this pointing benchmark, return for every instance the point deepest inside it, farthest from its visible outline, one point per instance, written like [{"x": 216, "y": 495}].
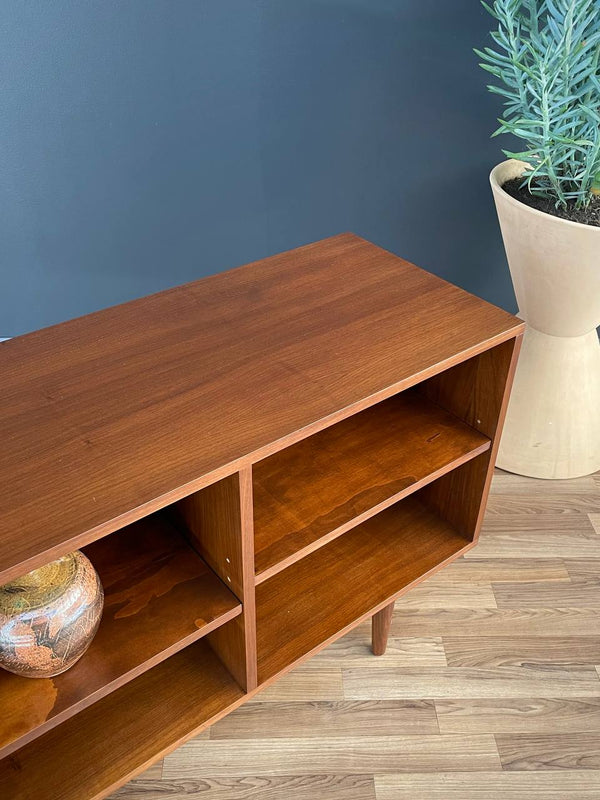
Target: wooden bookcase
[{"x": 255, "y": 463}]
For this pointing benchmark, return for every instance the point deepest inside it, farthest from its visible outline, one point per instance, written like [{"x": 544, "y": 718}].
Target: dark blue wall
[{"x": 146, "y": 143}]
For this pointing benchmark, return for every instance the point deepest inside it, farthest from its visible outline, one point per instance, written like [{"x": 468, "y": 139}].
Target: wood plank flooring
[{"x": 489, "y": 690}]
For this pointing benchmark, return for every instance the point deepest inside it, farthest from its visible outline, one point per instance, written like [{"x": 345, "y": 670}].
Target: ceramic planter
[{"x": 552, "y": 427}]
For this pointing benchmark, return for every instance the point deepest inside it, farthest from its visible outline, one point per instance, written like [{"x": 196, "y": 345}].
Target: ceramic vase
[{"x": 48, "y": 617}]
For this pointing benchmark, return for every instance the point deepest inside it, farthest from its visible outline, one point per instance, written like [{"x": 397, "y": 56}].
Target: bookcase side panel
[
  {"x": 476, "y": 391},
  {"x": 218, "y": 523},
  {"x": 239, "y": 636}
]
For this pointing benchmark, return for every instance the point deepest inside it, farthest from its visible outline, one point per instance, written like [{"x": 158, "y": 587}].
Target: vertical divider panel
[
  {"x": 248, "y": 619},
  {"x": 476, "y": 391},
  {"x": 218, "y": 521}
]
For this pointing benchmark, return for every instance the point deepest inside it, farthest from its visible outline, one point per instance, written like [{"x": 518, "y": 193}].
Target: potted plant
[{"x": 546, "y": 62}]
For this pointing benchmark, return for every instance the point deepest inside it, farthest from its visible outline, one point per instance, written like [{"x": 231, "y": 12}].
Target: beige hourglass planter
[{"x": 552, "y": 427}]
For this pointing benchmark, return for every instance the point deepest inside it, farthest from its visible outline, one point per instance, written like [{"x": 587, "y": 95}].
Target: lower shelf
[
  {"x": 91, "y": 754},
  {"x": 322, "y": 595},
  {"x": 159, "y": 597}
]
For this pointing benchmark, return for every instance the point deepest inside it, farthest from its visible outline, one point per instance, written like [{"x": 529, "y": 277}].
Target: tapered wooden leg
[{"x": 381, "y": 629}]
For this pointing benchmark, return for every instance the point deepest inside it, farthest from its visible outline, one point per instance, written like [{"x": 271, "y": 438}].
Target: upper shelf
[
  {"x": 106, "y": 418},
  {"x": 315, "y": 490},
  {"x": 159, "y": 597}
]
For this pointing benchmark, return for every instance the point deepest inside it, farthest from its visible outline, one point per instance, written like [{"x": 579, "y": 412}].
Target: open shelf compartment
[
  {"x": 323, "y": 595},
  {"x": 159, "y": 597},
  {"x": 142, "y": 721},
  {"x": 315, "y": 490}
]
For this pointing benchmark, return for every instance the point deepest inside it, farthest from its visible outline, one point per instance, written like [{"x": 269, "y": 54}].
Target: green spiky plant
[{"x": 547, "y": 63}]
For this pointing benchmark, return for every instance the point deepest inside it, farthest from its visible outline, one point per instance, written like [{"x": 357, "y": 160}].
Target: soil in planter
[{"x": 588, "y": 216}]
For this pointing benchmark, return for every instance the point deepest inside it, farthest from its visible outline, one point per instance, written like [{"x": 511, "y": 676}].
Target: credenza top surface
[{"x": 108, "y": 416}]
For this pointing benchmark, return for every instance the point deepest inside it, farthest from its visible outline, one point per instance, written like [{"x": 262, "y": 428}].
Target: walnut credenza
[{"x": 255, "y": 463}]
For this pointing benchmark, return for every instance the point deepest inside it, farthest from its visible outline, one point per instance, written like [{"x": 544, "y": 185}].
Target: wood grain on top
[
  {"x": 315, "y": 488},
  {"x": 159, "y": 597},
  {"x": 109, "y": 416}
]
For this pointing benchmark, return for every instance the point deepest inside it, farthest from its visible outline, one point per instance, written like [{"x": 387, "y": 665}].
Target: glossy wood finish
[
  {"x": 211, "y": 521},
  {"x": 90, "y": 754},
  {"x": 476, "y": 391},
  {"x": 380, "y": 629},
  {"x": 216, "y": 402},
  {"x": 159, "y": 597},
  {"x": 100, "y": 429},
  {"x": 218, "y": 521},
  {"x": 348, "y": 579},
  {"x": 317, "y": 489},
  {"x": 522, "y": 675}
]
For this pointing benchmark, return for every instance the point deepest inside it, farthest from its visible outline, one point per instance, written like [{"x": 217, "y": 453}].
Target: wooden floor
[{"x": 490, "y": 689}]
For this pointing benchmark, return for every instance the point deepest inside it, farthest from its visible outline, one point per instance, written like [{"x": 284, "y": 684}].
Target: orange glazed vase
[{"x": 49, "y": 617}]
